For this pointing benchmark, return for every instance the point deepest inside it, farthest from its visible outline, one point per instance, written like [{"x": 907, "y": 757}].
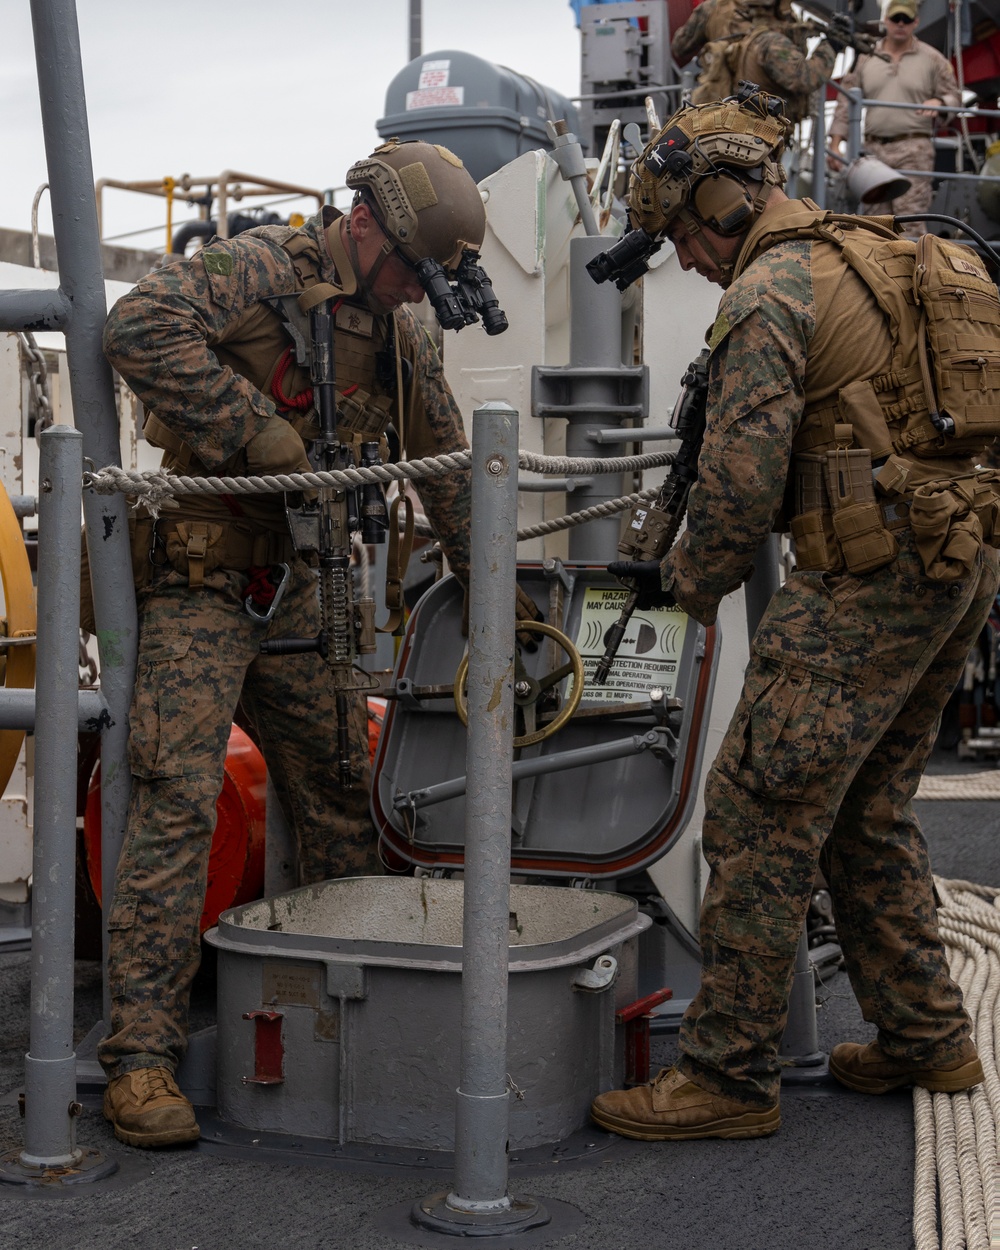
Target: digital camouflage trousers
[
  {"x": 839, "y": 712},
  {"x": 198, "y": 657}
]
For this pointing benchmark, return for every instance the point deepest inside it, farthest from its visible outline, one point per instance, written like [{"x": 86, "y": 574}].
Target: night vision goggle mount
[
  {"x": 626, "y": 260},
  {"x": 463, "y": 300}
]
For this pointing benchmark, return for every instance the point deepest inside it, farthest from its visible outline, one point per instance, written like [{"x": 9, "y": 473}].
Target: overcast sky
[{"x": 287, "y": 91}]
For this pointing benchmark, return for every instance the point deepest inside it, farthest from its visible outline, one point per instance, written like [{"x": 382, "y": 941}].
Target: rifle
[
  {"x": 652, "y": 529},
  {"x": 863, "y": 35},
  {"x": 325, "y": 525}
]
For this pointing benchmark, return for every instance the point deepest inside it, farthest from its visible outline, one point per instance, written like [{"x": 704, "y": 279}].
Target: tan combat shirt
[{"x": 921, "y": 73}]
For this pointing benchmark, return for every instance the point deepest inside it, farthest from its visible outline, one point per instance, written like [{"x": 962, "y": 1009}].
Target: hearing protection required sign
[{"x": 648, "y": 656}]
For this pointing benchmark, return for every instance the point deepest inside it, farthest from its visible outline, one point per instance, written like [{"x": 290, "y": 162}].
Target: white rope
[
  {"x": 609, "y": 507},
  {"x": 154, "y": 487},
  {"x": 955, "y": 1184}
]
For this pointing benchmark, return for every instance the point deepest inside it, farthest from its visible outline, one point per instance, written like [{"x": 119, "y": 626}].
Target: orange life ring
[
  {"x": 236, "y": 860},
  {"x": 20, "y": 621}
]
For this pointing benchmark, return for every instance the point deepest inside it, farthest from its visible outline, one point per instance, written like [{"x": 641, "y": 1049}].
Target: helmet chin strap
[
  {"x": 694, "y": 225},
  {"x": 365, "y": 281}
]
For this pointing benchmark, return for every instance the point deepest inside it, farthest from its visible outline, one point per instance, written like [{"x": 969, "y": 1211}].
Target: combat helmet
[
  {"x": 424, "y": 199},
  {"x": 711, "y": 164}
]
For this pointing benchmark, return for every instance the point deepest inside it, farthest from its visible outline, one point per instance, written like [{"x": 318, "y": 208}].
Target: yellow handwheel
[
  {"x": 18, "y": 626},
  {"x": 527, "y": 690}
]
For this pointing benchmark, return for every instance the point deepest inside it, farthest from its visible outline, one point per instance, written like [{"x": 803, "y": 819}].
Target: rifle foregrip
[{"x": 290, "y": 646}]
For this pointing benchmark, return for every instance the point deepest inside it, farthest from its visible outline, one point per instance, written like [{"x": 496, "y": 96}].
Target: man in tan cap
[{"x": 915, "y": 73}]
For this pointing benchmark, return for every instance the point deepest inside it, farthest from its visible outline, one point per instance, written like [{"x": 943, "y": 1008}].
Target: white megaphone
[{"x": 871, "y": 181}]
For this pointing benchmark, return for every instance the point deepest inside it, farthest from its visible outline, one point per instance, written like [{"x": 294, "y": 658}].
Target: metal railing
[
  {"x": 856, "y": 105},
  {"x": 78, "y": 308}
]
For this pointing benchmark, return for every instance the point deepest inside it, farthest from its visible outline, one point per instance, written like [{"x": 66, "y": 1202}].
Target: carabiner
[{"x": 262, "y": 618}]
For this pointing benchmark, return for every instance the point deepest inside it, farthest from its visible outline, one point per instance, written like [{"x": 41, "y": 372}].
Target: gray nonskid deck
[{"x": 838, "y": 1176}]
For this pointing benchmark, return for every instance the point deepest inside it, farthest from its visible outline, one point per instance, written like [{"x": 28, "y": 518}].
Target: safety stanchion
[
  {"x": 51, "y": 1156},
  {"x": 479, "y": 1198}
]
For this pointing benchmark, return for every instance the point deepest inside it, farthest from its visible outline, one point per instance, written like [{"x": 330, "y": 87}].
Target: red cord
[
  {"x": 260, "y": 588},
  {"x": 304, "y": 399}
]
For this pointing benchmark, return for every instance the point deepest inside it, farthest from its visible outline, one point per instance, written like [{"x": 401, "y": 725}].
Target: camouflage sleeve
[
  {"x": 756, "y": 383},
  {"x": 691, "y": 37},
  {"x": 434, "y": 425},
  {"x": 790, "y": 69},
  {"x": 160, "y": 338}
]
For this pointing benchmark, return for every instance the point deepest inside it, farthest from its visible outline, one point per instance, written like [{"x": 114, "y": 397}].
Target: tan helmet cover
[
  {"x": 727, "y": 141},
  {"x": 425, "y": 199}
]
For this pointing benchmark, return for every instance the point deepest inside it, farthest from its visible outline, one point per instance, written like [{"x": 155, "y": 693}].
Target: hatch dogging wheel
[
  {"x": 17, "y": 627},
  {"x": 528, "y": 690}
]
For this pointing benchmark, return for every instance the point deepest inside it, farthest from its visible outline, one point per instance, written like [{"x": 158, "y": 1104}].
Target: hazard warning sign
[{"x": 648, "y": 656}]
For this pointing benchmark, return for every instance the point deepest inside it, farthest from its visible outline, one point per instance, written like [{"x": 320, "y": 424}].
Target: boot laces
[{"x": 154, "y": 1084}]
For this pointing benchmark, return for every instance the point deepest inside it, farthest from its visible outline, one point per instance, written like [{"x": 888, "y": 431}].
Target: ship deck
[{"x": 838, "y": 1175}]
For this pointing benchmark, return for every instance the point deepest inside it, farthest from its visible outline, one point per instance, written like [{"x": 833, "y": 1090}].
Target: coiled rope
[{"x": 955, "y": 1184}]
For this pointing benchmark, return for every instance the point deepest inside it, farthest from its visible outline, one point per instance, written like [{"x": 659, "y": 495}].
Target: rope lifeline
[{"x": 155, "y": 487}]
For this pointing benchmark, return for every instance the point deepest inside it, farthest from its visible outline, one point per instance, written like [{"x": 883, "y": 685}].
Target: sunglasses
[{"x": 901, "y": 17}]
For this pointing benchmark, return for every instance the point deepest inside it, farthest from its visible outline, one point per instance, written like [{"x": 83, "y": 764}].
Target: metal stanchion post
[
  {"x": 854, "y": 115},
  {"x": 479, "y": 1202},
  {"x": 819, "y": 152},
  {"x": 50, "y": 1156},
  {"x": 802, "y": 1061}
]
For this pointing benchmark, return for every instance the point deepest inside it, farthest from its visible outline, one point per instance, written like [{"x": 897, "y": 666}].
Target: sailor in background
[{"x": 917, "y": 74}]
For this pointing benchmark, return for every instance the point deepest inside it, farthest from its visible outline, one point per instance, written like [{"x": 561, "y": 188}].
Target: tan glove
[{"x": 278, "y": 448}]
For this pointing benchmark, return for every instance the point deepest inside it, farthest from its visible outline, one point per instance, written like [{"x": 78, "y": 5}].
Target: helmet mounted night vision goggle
[
  {"x": 432, "y": 215},
  {"x": 710, "y": 165}
]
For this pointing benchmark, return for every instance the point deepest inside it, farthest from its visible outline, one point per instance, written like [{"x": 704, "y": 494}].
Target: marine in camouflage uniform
[
  {"x": 756, "y": 42},
  {"x": 775, "y": 61},
  {"x": 710, "y": 20},
  {"x": 847, "y": 677},
  {"x": 188, "y": 340}
]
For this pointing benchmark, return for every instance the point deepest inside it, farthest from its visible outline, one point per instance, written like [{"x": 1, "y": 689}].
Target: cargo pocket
[
  {"x": 795, "y": 725},
  {"x": 746, "y": 969},
  {"x": 121, "y": 927},
  {"x": 151, "y": 704}
]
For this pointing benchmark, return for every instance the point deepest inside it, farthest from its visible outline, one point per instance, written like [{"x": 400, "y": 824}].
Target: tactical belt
[
  {"x": 838, "y": 521},
  {"x": 200, "y": 547},
  {"x": 910, "y": 134}
]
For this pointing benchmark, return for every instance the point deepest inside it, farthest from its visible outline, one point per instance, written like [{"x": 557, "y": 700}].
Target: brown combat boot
[
  {"x": 672, "y": 1108},
  {"x": 869, "y": 1070},
  {"x": 147, "y": 1109}
]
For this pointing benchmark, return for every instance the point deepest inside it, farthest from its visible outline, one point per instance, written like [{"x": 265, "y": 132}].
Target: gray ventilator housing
[{"x": 485, "y": 113}]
